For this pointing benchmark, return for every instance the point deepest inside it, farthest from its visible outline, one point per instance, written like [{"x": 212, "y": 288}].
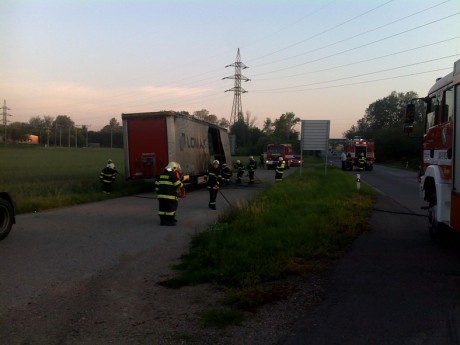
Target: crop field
[{"x": 41, "y": 178}]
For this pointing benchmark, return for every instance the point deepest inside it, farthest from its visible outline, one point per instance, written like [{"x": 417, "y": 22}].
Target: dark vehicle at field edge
[
  {"x": 7, "y": 214},
  {"x": 296, "y": 162}
]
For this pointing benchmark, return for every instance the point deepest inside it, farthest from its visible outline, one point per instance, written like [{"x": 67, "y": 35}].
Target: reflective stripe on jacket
[
  {"x": 280, "y": 168},
  {"x": 168, "y": 186}
]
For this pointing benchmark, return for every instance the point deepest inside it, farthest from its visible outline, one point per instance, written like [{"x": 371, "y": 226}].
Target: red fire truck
[
  {"x": 440, "y": 159},
  {"x": 275, "y": 151},
  {"x": 356, "y": 147}
]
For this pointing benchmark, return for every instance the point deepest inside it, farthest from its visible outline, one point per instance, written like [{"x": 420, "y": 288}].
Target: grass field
[{"x": 40, "y": 178}]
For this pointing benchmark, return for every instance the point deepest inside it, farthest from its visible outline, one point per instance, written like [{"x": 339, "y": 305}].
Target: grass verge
[{"x": 288, "y": 229}]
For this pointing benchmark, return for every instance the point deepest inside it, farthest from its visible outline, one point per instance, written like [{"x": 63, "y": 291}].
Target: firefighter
[
  {"x": 107, "y": 177},
  {"x": 251, "y": 169},
  {"x": 168, "y": 187},
  {"x": 240, "y": 170},
  {"x": 279, "y": 171},
  {"x": 262, "y": 160},
  {"x": 214, "y": 180},
  {"x": 343, "y": 158},
  {"x": 226, "y": 174},
  {"x": 362, "y": 161}
]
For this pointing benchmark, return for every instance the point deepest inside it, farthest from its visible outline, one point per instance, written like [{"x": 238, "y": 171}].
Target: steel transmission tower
[
  {"x": 5, "y": 120},
  {"x": 237, "y": 108}
]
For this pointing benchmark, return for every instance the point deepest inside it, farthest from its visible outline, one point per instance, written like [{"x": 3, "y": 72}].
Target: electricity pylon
[
  {"x": 237, "y": 108},
  {"x": 5, "y": 114}
]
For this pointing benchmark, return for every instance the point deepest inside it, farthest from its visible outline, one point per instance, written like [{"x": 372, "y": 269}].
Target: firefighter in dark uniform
[
  {"x": 226, "y": 174},
  {"x": 214, "y": 179},
  {"x": 168, "y": 187},
  {"x": 279, "y": 171},
  {"x": 251, "y": 169},
  {"x": 240, "y": 171},
  {"x": 107, "y": 177}
]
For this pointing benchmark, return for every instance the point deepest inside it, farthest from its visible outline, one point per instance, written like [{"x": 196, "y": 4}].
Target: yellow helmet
[
  {"x": 238, "y": 161},
  {"x": 173, "y": 166}
]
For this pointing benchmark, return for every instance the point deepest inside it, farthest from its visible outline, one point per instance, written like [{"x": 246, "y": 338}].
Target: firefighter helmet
[
  {"x": 173, "y": 166},
  {"x": 110, "y": 164},
  {"x": 280, "y": 159},
  {"x": 215, "y": 161}
]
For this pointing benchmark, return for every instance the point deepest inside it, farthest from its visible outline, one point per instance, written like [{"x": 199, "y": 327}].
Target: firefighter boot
[{"x": 169, "y": 221}]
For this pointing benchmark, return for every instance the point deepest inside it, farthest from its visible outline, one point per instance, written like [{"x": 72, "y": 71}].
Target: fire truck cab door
[{"x": 455, "y": 199}]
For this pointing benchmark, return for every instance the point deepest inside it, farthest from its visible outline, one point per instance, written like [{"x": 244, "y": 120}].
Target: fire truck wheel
[
  {"x": 6, "y": 218},
  {"x": 436, "y": 229}
]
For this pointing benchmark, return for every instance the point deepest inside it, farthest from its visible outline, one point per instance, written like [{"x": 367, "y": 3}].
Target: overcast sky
[{"x": 321, "y": 59}]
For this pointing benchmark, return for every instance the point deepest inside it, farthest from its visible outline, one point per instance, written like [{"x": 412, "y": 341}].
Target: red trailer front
[{"x": 146, "y": 146}]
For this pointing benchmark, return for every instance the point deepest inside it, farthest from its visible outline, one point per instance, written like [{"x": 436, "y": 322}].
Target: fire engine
[
  {"x": 356, "y": 147},
  {"x": 275, "y": 151},
  {"x": 440, "y": 154}
]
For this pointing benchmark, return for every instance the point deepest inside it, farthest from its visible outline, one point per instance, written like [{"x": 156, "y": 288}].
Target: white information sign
[{"x": 315, "y": 135}]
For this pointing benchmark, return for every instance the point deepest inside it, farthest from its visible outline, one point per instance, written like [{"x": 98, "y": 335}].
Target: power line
[
  {"x": 364, "y": 74},
  {"x": 362, "y": 61},
  {"x": 362, "y": 45},
  {"x": 357, "y": 83},
  {"x": 354, "y": 36},
  {"x": 324, "y": 31}
]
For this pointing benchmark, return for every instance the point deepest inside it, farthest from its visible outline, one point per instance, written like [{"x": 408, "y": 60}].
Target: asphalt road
[
  {"x": 395, "y": 286},
  {"x": 63, "y": 246}
]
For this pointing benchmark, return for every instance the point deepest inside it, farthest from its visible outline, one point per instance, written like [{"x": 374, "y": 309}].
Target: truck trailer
[{"x": 153, "y": 139}]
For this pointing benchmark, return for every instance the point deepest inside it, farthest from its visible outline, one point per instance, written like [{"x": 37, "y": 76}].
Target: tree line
[
  {"x": 62, "y": 131},
  {"x": 383, "y": 122}
]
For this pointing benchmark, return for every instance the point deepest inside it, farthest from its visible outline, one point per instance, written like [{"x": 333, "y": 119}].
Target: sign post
[{"x": 315, "y": 137}]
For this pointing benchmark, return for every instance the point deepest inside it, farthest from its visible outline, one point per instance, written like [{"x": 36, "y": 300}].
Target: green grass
[
  {"x": 280, "y": 232},
  {"x": 295, "y": 227},
  {"x": 41, "y": 178}
]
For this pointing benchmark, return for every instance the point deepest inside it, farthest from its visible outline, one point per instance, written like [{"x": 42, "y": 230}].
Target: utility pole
[
  {"x": 237, "y": 108},
  {"x": 83, "y": 127},
  {"x": 5, "y": 114}
]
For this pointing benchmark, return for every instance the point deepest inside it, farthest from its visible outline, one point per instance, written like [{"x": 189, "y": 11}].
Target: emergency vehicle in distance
[
  {"x": 440, "y": 154},
  {"x": 7, "y": 214},
  {"x": 358, "y": 146},
  {"x": 153, "y": 139},
  {"x": 275, "y": 151}
]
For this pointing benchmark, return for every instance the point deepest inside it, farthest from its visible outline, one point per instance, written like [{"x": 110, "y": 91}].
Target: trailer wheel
[{"x": 6, "y": 218}]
